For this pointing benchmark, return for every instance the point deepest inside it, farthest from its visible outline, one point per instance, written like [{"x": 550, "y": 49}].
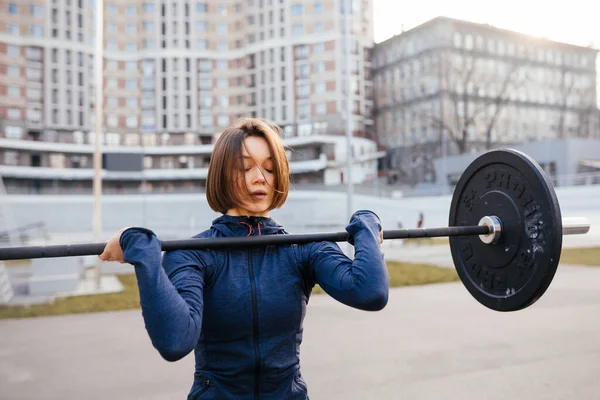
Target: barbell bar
[
  {"x": 488, "y": 228},
  {"x": 505, "y": 232}
]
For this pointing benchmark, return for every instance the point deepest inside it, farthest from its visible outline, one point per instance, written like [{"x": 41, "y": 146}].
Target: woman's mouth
[{"x": 259, "y": 195}]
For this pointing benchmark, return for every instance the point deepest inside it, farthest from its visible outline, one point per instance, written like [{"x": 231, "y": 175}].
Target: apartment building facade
[
  {"x": 176, "y": 73},
  {"x": 451, "y": 87}
]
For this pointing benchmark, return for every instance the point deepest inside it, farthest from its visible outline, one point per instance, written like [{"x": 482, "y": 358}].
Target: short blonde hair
[{"x": 227, "y": 167}]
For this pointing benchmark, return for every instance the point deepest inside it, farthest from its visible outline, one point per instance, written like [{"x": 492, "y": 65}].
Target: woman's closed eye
[{"x": 269, "y": 170}]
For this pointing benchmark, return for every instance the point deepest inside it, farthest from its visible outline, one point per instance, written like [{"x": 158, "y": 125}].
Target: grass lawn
[
  {"x": 583, "y": 256},
  {"x": 401, "y": 274}
]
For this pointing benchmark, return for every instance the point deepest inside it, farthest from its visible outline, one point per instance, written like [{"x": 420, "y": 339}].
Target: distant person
[
  {"x": 420, "y": 220},
  {"x": 242, "y": 309}
]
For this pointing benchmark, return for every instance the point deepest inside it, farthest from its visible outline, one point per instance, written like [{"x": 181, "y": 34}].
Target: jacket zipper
[{"x": 255, "y": 325}]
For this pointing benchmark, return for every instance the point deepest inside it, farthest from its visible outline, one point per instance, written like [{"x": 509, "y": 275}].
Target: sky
[{"x": 571, "y": 21}]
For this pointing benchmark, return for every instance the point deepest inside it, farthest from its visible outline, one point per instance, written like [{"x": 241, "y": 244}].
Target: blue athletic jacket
[{"x": 241, "y": 309}]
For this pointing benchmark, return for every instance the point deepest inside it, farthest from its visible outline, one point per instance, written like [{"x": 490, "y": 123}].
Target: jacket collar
[{"x": 229, "y": 225}]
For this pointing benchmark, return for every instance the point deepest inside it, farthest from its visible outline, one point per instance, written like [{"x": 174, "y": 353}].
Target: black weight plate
[{"x": 515, "y": 272}]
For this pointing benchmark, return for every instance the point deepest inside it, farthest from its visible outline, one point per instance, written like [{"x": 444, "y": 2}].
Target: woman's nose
[{"x": 258, "y": 176}]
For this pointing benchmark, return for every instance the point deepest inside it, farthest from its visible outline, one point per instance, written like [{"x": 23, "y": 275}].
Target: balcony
[{"x": 154, "y": 174}]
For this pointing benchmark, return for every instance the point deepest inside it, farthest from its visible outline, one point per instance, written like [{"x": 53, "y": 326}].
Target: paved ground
[{"x": 431, "y": 342}]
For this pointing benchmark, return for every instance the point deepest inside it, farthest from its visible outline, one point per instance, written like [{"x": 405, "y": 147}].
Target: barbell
[{"x": 505, "y": 232}]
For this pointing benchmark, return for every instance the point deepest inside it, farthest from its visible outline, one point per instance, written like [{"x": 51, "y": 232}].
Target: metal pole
[
  {"x": 442, "y": 128},
  {"x": 350, "y": 205},
  {"x": 99, "y": 60}
]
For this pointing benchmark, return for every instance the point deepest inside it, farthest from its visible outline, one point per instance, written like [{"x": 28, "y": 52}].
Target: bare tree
[
  {"x": 566, "y": 92},
  {"x": 577, "y": 102},
  {"x": 476, "y": 98}
]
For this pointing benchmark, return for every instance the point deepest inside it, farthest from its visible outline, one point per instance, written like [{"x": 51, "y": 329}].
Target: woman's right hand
[{"x": 112, "y": 250}]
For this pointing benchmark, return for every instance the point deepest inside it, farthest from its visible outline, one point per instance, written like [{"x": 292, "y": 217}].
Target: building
[
  {"x": 175, "y": 74},
  {"x": 450, "y": 87}
]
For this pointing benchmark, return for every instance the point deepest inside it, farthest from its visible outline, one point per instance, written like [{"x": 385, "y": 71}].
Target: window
[
  {"x": 112, "y": 27},
  {"x": 13, "y": 91},
  {"x": 321, "y": 109},
  {"x": 131, "y": 121},
  {"x": 14, "y": 113},
  {"x": 148, "y": 121},
  {"x": 205, "y": 100},
  {"x": 297, "y": 29},
  {"x": 297, "y": 10},
  {"x": 57, "y": 160},
  {"x": 149, "y": 26},
  {"x": 13, "y": 9},
  {"x": 36, "y": 10},
  {"x": 113, "y": 139},
  {"x": 130, "y": 46},
  {"x": 111, "y": 45},
  {"x": 206, "y": 120},
  {"x": 130, "y": 11},
  {"x": 12, "y": 50},
  {"x": 222, "y": 46},
  {"x": 111, "y": 83},
  {"x": 303, "y": 91},
  {"x": 222, "y": 10},
  {"x": 222, "y": 120},
  {"x": 13, "y": 132},
  {"x": 201, "y": 44},
  {"x": 111, "y": 65},
  {"x": 222, "y": 28},
  {"x": 132, "y": 139},
  {"x": 318, "y": 8},
  {"x": 200, "y": 26},
  {"x": 131, "y": 66},
  {"x": 148, "y": 84},
  {"x": 112, "y": 121},
  {"x": 205, "y": 66},
  {"x": 148, "y": 101},
  {"x": 11, "y": 157},
  {"x": 222, "y": 83},
  {"x": 13, "y": 70},
  {"x": 36, "y": 30},
  {"x": 13, "y": 29},
  {"x": 201, "y": 7},
  {"x": 113, "y": 102},
  {"x": 131, "y": 84},
  {"x": 111, "y": 9},
  {"x": 148, "y": 8},
  {"x": 131, "y": 29},
  {"x": 131, "y": 102},
  {"x": 148, "y": 67}
]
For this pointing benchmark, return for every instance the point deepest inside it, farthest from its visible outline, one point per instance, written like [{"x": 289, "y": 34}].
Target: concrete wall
[{"x": 564, "y": 153}]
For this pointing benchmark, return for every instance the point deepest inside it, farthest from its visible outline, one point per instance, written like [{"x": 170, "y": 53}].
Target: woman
[{"x": 242, "y": 309}]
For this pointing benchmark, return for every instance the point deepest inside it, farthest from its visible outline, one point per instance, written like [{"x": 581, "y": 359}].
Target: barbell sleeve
[{"x": 575, "y": 226}]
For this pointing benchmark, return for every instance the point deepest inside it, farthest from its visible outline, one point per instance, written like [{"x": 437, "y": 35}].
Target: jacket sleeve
[
  {"x": 360, "y": 283},
  {"x": 171, "y": 292}
]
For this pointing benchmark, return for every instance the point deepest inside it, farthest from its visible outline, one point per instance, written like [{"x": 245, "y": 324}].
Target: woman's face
[{"x": 258, "y": 178}]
